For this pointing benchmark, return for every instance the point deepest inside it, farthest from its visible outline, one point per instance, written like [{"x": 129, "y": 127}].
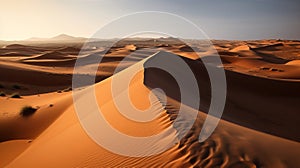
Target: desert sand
[{"x": 259, "y": 126}]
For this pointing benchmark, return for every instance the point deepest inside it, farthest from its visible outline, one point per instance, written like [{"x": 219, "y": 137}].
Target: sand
[{"x": 258, "y": 127}]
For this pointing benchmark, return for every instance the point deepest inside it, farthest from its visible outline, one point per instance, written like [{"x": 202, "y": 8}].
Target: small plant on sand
[
  {"x": 2, "y": 94},
  {"x": 15, "y": 95},
  {"x": 27, "y": 111}
]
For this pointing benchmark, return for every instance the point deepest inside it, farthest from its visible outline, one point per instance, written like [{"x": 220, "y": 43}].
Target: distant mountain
[
  {"x": 65, "y": 37},
  {"x": 58, "y": 38}
]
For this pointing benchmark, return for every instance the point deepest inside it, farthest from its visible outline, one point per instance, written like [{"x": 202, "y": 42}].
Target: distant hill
[
  {"x": 65, "y": 37},
  {"x": 58, "y": 38}
]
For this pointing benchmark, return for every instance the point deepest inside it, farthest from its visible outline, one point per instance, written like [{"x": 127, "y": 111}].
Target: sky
[{"x": 219, "y": 19}]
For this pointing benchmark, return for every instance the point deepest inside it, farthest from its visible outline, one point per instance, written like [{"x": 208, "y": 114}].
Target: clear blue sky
[{"x": 220, "y": 19}]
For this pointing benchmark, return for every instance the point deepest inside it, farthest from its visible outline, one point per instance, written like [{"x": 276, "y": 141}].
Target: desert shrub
[
  {"x": 15, "y": 95},
  {"x": 27, "y": 111},
  {"x": 2, "y": 94}
]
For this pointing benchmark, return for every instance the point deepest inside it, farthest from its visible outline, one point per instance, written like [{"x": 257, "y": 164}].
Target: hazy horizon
[
  {"x": 230, "y": 20},
  {"x": 36, "y": 39}
]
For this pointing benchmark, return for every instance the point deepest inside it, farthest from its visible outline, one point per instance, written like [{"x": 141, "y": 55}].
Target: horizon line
[{"x": 45, "y": 39}]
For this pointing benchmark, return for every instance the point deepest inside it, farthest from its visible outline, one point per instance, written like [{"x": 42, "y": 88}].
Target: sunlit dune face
[{"x": 139, "y": 99}]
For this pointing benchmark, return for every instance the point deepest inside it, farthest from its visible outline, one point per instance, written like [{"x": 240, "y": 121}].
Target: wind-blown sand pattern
[{"x": 259, "y": 126}]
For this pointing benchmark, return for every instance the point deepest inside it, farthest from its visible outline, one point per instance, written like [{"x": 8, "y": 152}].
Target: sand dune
[
  {"x": 241, "y": 48},
  {"x": 69, "y": 50},
  {"x": 294, "y": 62},
  {"x": 263, "y": 94},
  {"x": 271, "y": 47},
  {"x": 18, "y": 52},
  {"x": 21, "y": 47},
  {"x": 131, "y": 47},
  {"x": 17, "y": 46},
  {"x": 258, "y": 127},
  {"x": 186, "y": 48},
  {"x": 50, "y": 55}
]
